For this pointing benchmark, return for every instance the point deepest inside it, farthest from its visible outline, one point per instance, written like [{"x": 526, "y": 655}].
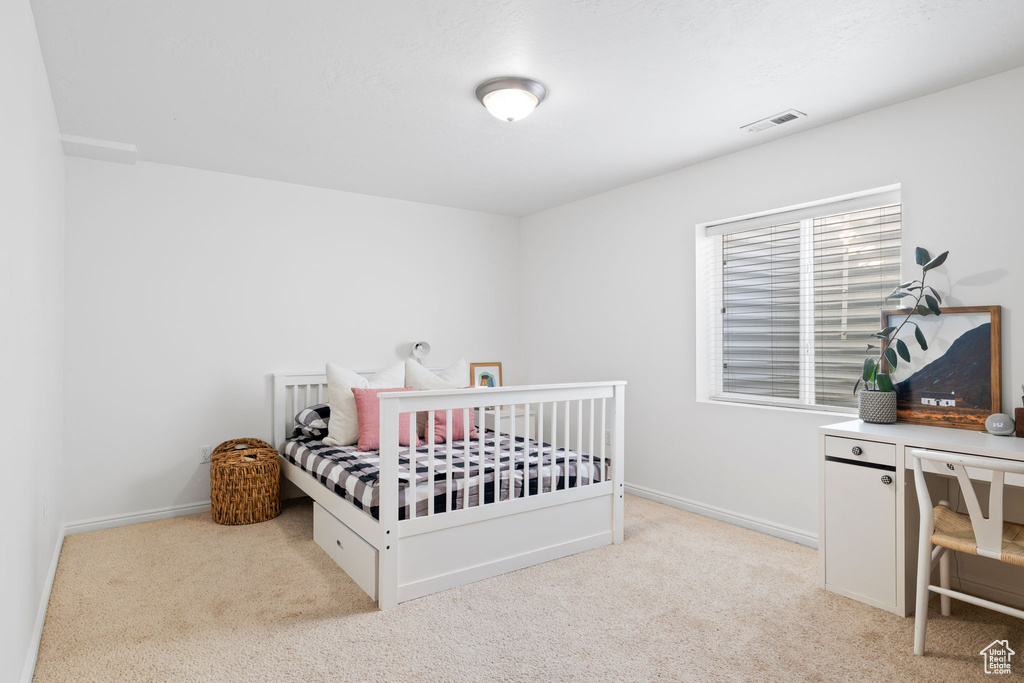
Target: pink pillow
[
  {"x": 458, "y": 426},
  {"x": 368, "y": 414}
]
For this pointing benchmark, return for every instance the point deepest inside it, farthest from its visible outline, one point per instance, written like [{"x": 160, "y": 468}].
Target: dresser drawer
[
  {"x": 357, "y": 557},
  {"x": 860, "y": 451}
]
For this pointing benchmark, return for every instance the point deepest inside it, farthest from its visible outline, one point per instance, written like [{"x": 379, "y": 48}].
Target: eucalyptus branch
[
  {"x": 927, "y": 302},
  {"x": 913, "y": 310}
]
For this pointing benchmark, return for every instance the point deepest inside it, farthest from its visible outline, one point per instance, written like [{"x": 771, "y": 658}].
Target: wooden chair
[{"x": 972, "y": 533}]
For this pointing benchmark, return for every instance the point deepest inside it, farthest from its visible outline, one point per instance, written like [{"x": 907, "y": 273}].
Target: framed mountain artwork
[{"x": 955, "y": 381}]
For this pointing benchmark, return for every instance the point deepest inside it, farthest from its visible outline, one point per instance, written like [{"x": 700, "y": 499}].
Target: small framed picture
[
  {"x": 955, "y": 382},
  {"x": 485, "y": 374}
]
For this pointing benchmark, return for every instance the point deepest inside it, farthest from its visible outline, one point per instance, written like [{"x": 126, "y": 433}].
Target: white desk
[{"x": 868, "y": 511}]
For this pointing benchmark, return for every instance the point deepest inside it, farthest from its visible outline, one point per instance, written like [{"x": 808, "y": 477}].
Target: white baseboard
[
  {"x": 991, "y": 590},
  {"x": 44, "y": 601},
  {"x": 136, "y": 517},
  {"x": 739, "y": 519},
  {"x": 80, "y": 527}
]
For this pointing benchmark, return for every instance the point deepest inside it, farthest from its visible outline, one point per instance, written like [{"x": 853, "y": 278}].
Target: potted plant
[{"x": 877, "y": 400}]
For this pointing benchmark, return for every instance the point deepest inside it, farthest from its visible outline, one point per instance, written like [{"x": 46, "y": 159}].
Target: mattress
[{"x": 354, "y": 474}]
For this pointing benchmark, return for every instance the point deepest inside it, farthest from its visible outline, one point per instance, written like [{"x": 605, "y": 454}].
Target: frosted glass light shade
[
  {"x": 511, "y": 98},
  {"x": 510, "y": 105}
]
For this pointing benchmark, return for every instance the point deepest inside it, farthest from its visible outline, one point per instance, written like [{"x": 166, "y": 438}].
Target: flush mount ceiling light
[{"x": 511, "y": 98}]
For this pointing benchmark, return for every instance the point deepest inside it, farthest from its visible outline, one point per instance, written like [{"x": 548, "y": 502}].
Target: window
[{"x": 795, "y": 297}]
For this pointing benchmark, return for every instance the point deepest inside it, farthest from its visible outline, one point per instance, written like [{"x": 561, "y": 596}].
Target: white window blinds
[
  {"x": 795, "y": 303},
  {"x": 856, "y": 265},
  {"x": 761, "y": 311}
]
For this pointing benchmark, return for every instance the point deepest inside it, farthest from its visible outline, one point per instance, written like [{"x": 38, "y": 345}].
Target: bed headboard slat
[{"x": 292, "y": 393}]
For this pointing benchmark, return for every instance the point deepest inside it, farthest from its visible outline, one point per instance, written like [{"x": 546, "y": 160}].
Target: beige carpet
[{"x": 684, "y": 598}]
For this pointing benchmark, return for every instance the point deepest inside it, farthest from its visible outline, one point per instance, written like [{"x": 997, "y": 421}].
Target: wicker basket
[{"x": 245, "y": 482}]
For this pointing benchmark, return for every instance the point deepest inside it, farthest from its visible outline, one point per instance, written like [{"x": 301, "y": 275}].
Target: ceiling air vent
[{"x": 772, "y": 121}]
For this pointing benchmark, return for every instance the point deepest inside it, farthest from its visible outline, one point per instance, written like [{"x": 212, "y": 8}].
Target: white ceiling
[{"x": 376, "y": 96}]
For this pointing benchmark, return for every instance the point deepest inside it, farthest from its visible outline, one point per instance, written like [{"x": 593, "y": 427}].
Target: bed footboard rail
[{"x": 533, "y": 447}]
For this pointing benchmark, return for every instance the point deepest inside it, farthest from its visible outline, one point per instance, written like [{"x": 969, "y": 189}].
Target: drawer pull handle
[
  {"x": 340, "y": 545},
  {"x": 857, "y": 450},
  {"x": 886, "y": 479}
]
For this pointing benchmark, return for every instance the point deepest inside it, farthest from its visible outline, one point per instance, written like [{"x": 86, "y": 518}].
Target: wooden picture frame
[
  {"x": 480, "y": 372},
  {"x": 949, "y": 385}
]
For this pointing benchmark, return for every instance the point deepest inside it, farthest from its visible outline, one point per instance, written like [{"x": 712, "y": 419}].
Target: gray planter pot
[{"x": 878, "y": 407}]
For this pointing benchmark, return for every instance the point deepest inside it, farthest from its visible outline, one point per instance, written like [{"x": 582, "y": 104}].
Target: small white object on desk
[{"x": 1000, "y": 424}]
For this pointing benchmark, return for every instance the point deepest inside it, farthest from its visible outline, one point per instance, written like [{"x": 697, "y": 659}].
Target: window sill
[{"x": 808, "y": 410}]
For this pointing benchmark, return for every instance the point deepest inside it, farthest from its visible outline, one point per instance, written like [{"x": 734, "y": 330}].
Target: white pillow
[
  {"x": 455, "y": 376},
  {"x": 343, "y": 427}
]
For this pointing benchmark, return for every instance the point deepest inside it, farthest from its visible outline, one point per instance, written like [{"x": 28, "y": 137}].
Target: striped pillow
[{"x": 312, "y": 421}]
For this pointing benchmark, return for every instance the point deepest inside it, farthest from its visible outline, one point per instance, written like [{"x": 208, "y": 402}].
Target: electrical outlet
[
  {"x": 608, "y": 438},
  {"x": 204, "y": 453}
]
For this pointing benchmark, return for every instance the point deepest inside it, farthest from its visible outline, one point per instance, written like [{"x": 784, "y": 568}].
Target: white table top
[{"x": 936, "y": 438}]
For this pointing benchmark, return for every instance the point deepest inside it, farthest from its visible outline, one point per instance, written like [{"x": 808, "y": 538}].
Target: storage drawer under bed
[{"x": 357, "y": 557}]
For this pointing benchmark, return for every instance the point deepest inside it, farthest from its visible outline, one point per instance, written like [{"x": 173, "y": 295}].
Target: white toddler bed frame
[{"x": 397, "y": 560}]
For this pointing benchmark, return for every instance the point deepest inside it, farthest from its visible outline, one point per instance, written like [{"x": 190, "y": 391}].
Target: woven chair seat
[{"x": 953, "y": 530}]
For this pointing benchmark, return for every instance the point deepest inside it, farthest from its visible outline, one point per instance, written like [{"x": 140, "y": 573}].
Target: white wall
[
  {"x": 621, "y": 267},
  {"x": 31, "y": 311},
  {"x": 186, "y": 288}
]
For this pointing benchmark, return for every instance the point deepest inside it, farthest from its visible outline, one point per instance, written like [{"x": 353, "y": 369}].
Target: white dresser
[{"x": 868, "y": 511}]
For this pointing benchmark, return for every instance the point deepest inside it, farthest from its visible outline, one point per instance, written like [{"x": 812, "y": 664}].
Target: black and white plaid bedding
[
  {"x": 353, "y": 474},
  {"x": 312, "y": 421}
]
